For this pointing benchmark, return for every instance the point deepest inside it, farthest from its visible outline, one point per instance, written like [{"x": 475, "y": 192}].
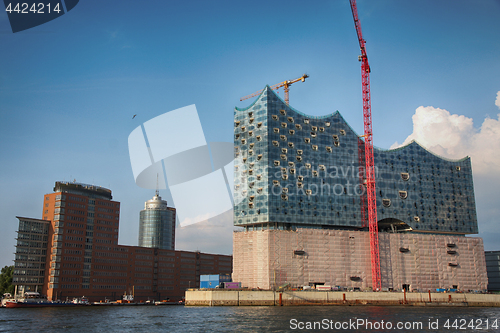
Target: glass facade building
[
  {"x": 293, "y": 170},
  {"x": 157, "y": 225},
  {"x": 31, "y": 254},
  {"x": 493, "y": 269}
]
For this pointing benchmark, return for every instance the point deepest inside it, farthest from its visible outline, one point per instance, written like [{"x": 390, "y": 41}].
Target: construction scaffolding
[{"x": 269, "y": 259}]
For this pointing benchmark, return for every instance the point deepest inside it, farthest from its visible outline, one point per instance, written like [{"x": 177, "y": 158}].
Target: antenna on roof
[{"x": 157, "y": 190}]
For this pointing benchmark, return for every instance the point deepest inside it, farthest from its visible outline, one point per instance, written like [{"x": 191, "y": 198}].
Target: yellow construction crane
[{"x": 285, "y": 84}]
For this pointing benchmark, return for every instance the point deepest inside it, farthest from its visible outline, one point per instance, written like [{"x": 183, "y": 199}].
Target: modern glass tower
[{"x": 157, "y": 224}]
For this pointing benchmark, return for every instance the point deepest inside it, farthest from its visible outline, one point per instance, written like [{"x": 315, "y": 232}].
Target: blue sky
[{"x": 69, "y": 88}]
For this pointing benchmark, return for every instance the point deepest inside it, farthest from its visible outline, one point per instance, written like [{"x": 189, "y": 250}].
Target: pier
[{"x": 220, "y": 297}]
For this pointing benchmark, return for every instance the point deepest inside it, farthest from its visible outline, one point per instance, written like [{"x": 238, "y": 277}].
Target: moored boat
[
  {"x": 34, "y": 300},
  {"x": 6, "y": 297},
  {"x": 168, "y": 302}
]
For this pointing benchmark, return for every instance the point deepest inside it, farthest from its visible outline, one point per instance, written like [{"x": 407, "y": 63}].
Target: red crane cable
[{"x": 370, "y": 169}]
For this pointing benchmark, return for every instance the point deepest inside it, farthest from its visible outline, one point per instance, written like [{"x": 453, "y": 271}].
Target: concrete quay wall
[{"x": 276, "y": 298}]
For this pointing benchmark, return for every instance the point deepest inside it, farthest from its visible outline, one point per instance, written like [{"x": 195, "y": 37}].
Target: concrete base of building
[
  {"x": 290, "y": 298},
  {"x": 269, "y": 259}
]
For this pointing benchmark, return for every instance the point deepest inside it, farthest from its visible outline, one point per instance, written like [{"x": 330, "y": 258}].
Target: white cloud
[
  {"x": 212, "y": 236},
  {"x": 199, "y": 218},
  {"x": 497, "y": 101},
  {"x": 454, "y": 136}
]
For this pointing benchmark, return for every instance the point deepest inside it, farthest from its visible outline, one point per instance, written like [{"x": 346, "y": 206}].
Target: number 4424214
[
  {"x": 474, "y": 324},
  {"x": 36, "y": 8}
]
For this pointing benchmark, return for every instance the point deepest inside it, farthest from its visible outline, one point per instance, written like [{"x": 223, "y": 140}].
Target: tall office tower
[
  {"x": 157, "y": 224},
  {"x": 83, "y": 219},
  {"x": 302, "y": 173}
]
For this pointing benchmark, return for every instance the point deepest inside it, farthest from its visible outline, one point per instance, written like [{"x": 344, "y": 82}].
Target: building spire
[{"x": 157, "y": 187}]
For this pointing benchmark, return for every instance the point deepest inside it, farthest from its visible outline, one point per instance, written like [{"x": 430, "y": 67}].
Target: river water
[{"x": 251, "y": 319}]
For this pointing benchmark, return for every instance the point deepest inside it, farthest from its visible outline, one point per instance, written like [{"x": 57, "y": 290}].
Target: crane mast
[{"x": 369, "y": 160}]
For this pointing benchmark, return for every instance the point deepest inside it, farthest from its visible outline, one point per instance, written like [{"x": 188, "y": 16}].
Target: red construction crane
[
  {"x": 370, "y": 169},
  {"x": 285, "y": 84}
]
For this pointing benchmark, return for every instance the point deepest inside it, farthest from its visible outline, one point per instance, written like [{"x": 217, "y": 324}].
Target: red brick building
[{"x": 83, "y": 257}]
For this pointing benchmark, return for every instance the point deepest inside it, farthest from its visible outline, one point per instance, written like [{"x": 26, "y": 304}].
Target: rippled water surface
[{"x": 249, "y": 319}]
